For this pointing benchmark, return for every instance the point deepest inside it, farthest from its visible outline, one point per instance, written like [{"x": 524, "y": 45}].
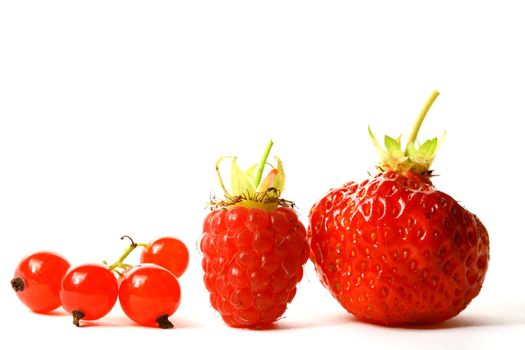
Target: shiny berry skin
[
  {"x": 149, "y": 294},
  {"x": 394, "y": 250},
  {"x": 37, "y": 280},
  {"x": 88, "y": 291},
  {"x": 168, "y": 252},
  {"x": 252, "y": 261}
]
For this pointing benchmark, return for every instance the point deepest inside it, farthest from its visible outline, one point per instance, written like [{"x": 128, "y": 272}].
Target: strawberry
[
  {"x": 393, "y": 249},
  {"x": 254, "y": 247}
]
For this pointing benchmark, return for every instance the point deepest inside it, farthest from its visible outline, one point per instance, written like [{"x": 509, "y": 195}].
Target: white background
[{"x": 112, "y": 114}]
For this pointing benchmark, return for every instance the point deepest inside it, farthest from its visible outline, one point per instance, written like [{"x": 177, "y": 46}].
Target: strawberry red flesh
[{"x": 394, "y": 250}]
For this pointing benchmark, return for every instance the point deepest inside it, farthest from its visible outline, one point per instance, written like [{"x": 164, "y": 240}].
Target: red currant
[
  {"x": 37, "y": 280},
  {"x": 149, "y": 293},
  {"x": 168, "y": 252},
  {"x": 89, "y": 292}
]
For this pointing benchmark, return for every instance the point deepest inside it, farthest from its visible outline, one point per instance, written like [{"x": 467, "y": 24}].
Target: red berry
[
  {"x": 393, "y": 249},
  {"x": 168, "y": 252},
  {"x": 37, "y": 280},
  {"x": 254, "y": 247},
  {"x": 253, "y": 263},
  {"x": 149, "y": 294},
  {"x": 88, "y": 292}
]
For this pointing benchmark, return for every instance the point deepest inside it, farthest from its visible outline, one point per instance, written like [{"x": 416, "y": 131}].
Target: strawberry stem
[
  {"x": 262, "y": 164},
  {"x": 420, "y": 118}
]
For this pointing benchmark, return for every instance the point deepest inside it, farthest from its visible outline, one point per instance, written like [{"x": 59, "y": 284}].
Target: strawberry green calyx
[
  {"x": 249, "y": 188},
  {"x": 415, "y": 159}
]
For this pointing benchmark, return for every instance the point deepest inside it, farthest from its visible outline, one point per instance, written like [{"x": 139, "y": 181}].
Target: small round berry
[
  {"x": 149, "y": 294},
  {"x": 168, "y": 252},
  {"x": 37, "y": 280},
  {"x": 88, "y": 292}
]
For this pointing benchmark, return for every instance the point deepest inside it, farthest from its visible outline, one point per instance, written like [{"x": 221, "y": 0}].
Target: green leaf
[
  {"x": 411, "y": 149},
  {"x": 268, "y": 181},
  {"x": 373, "y": 138},
  {"x": 280, "y": 179},
  {"x": 275, "y": 178},
  {"x": 393, "y": 147},
  {"x": 427, "y": 149},
  {"x": 380, "y": 151},
  {"x": 241, "y": 183},
  {"x": 218, "y": 171},
  {"x": 440, "y": 140},
  {"x": 250, "y": 172}
]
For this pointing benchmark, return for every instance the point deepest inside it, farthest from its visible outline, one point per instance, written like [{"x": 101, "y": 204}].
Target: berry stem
[
  {"x": 420, "y": 118},
  {"x": 164, "y": 322},
  {"x": 262, "y": 164},
  {"x": 120, "y": 262},
  {"x": 18, "y": 284},
  {"x": 77, "y": 316}
]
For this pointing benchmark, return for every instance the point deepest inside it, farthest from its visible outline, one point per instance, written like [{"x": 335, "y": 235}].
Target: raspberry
[
  {"x": 252, "y": 262},
  {"x": 253, "y": 246}
]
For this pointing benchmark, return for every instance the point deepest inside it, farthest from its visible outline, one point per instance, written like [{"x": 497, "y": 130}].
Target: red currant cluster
[{"x": 148, "y": 293}]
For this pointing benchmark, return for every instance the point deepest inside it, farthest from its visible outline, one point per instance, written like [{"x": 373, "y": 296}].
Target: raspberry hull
[
  {"x": 252, "y": 262},
  {"x": 394, "y": 250}
]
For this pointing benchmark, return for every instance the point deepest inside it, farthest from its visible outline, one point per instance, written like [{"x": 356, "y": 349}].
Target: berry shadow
[
  {"x": 285, "y": 324},
  {"x": 185, "y": 323},
  {"x": 178, "y": 323},
  {"x": 473, "y": 322},
  {"x": 122, "y": 321},
  {"x": 54, "y": 313},
  {"x": 500, "y": 315},
  {"x": 492, "y": 316},
  {"x": 108, "y": 321}
]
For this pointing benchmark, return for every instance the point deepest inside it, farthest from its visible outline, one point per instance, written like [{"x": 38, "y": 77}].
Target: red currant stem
[
  {"x": 18, "y": 284},
  {"x": 120, "y": 262},
  {"x": 164, "y": 322},
  {"x": 420, "y": 118},
  {"x": 77, "y": 316},
  {"x": 260, "y": 168}
]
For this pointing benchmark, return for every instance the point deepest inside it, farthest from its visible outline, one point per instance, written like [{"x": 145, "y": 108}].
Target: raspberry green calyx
[
  {"x": 249, "y": 188},
  {"x": 415, "y": 159}
]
